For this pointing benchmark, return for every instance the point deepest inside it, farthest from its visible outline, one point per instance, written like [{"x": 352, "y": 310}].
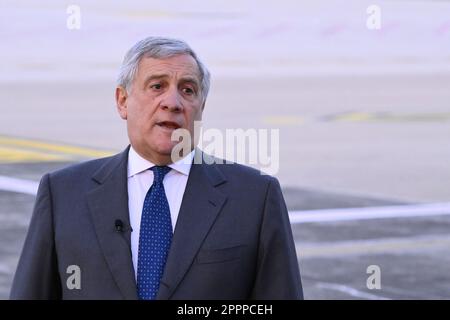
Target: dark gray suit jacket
[{"x": 232, "y": 239}]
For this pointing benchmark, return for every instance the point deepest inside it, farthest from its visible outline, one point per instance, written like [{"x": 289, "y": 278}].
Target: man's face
[{"x": 164, "y": 96}]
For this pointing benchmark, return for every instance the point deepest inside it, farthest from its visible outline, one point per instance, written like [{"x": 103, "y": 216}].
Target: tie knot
[{"x": 159, "y": 172}]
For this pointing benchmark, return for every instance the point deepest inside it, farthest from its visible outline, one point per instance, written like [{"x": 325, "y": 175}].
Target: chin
[{"x": 165, "y": 148}]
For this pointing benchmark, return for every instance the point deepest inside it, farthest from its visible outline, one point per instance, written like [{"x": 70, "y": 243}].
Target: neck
[{"x": 158, "y": 158}]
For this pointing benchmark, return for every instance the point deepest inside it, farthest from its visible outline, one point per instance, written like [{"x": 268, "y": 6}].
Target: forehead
[{"x": 174, "y": 67}]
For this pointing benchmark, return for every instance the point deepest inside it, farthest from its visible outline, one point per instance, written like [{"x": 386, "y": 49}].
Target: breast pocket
[{"x": 219, "y": 255}]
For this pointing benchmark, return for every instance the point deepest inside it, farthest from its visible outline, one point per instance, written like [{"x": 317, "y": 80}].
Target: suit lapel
[
  {"x": 200, "y": 206},
  {"x": 109, "y": 202}
]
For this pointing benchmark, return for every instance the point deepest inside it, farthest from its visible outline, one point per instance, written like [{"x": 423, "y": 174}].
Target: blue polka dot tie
[{"x": 155, "y": 237}]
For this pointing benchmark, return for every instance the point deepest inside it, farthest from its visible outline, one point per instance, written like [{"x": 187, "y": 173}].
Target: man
[{"x": 140, "y": 225}]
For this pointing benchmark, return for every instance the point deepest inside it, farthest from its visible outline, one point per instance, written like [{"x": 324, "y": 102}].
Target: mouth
[{"x": 170, "y": 125}]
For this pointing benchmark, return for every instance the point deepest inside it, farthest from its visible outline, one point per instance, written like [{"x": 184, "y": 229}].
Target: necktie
[{"x": 155, "y": 236}]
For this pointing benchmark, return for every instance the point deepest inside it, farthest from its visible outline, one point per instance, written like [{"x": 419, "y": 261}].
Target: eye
[
  {"x": 156, "y": 86},
  {"x": 188, "y": 91}
]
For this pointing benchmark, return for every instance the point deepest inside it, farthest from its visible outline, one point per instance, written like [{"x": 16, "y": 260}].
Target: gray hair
[{"x": 159, "y": 48}]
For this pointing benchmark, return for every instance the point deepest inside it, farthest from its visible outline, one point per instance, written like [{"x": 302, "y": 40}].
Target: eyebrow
[
  {"x": 153, "y": 77},
  {"x": 188, "y": 79}
]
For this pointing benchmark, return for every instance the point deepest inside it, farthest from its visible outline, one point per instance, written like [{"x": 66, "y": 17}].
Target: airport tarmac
[
  {"x": 363, "y": 118},
  {"x": 411, "y": 252},
  {"x": 342, "y": 145}
]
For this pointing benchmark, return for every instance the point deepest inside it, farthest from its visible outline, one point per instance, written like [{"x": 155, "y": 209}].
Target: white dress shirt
[{"x": 140, "y": 180}]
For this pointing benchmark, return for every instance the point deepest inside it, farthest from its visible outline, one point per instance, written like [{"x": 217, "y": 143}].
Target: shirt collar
[{"x": 137, "y": 164}]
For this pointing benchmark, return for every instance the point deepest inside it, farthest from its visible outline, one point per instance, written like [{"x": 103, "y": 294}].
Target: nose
[{"x": 171, "y": 101}]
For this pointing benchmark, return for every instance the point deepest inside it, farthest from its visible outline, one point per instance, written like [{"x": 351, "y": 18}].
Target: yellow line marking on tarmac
[
  {"x": 20, "y": 155},
  {"x": 292, "y": 120},
  {"x": 415, "y": 117},
  {"x": 283, "y": 120},
  {"x": 391, "y": 117},
  {"x": 354, "y": 117},
  {"x": 58, "y": 148}
]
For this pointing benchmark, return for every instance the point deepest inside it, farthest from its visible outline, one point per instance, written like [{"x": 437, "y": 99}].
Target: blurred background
[{"x": 359, "y": 90}]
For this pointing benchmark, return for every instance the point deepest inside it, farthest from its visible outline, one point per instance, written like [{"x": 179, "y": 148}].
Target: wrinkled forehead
[{"x": 174, "y": 67}]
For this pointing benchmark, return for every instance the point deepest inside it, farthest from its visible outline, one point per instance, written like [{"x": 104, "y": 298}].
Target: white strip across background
[
  {"x": 307, "y": 216},
  {"x": 348, "y": 214},
  {"x": 18, "y": 185}
]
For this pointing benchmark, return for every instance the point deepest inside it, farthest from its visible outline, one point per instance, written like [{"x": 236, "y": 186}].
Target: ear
[{"x": 121, "y": 102}]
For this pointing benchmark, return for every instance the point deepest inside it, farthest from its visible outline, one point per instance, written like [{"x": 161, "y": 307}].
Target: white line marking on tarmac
[
  {"x": 18, "y": 185},
  {"x": 349, "y": 214},
  {"x": 350, "y": 291},
  {"x": 403, "y": 245},
  {"x": 307, "y": 216}
]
